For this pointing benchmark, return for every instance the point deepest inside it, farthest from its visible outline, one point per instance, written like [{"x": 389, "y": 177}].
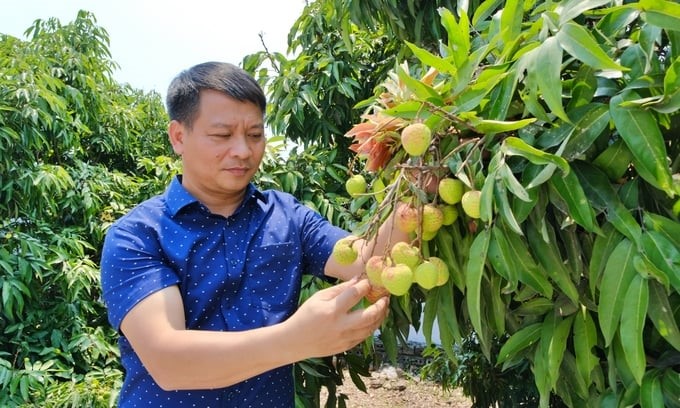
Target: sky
[{"x": 153, "y": 40}]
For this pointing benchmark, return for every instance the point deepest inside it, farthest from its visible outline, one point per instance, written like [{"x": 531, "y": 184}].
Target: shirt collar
[{"x": 177, "y": 197}]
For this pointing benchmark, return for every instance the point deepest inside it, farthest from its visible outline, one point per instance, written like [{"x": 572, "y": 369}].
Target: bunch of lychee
[
  {"x": 395, "y": 272},
  {"x": 403, "y": 267}
]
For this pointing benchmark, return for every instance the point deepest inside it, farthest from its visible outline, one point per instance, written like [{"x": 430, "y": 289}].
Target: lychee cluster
[
  {"x": 424, "y": 197},
  {"x": 403, "y": 267}
]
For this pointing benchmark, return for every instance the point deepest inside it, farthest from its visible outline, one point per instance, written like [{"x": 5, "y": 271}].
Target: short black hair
[{"x": 184, "y": 91}]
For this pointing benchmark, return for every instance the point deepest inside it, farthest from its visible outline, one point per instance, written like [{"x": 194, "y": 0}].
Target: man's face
[{"x": 223, "y": 150}]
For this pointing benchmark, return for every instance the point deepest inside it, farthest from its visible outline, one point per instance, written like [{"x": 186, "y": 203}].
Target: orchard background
[{"x": 564, "y": 115}]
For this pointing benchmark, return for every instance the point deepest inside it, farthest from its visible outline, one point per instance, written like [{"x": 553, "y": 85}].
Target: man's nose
[{"x": 240, "y": 147}]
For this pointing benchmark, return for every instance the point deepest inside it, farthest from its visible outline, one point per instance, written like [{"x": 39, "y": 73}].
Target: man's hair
[{"x": 184, "y": 91}]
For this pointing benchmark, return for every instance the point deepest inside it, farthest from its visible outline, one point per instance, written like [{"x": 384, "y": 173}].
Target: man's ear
[{"x": 176, "y": 133}]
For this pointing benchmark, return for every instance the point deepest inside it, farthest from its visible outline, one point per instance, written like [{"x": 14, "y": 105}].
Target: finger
[
  {"x": 371, "y": 317},
  {"x": 335, "y": 290},
  {"x": 353, "y": 293}
]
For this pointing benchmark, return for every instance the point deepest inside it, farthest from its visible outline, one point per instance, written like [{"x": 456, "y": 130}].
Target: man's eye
[{"x": 256, "y": 135}]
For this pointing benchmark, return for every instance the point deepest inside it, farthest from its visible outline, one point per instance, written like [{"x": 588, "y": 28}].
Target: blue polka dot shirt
[{"x": 235, "y": 273}]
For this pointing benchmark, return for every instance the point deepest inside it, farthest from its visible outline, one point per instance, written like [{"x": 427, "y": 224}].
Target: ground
[{"x": 389, "y": 387}]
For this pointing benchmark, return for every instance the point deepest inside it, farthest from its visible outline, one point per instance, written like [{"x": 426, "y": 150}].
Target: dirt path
[{"x": 392, "y": 388}]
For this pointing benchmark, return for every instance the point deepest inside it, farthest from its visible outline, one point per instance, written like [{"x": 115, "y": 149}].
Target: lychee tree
[{"x": 560, "y": 122}]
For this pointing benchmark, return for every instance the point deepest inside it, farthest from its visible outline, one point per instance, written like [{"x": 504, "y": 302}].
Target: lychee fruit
[
  {"x": 428, "y": 235},
  {"x": 375, "y": 293},
  {"x": 451, "y": 190},
  {"x": 432, "y": 218},
  {"x": 405, "y": 253},
  {"x": 356, "y": 185},
  {"x": 426, "y": 275},
  {"x": 442, "y": 269},
  {"x": 397, "y": 279},
  {"x": 415, "y": 138},
  {"x": 374, "y": 267},
  {"x": 471, "y": 203},
  {"x": 449, "y": 213},
  {"x": 343, "y": 252},
  {"x": 406, "y": 218}
]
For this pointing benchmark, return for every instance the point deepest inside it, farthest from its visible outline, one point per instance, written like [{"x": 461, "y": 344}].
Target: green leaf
[
  {"x": 640, "y": 130},
  {"x": 570, "y": 190},
  {"x": 458, "y": 34},
  {"x": 554, "y": 335},
  {"x": 496, "y": 126},
  {"x": 501, "y": 199},
  {"x": 614, "y": 160},
  {"x": 512, "y": 184},
  {"x": 668, "y": 228},
  {"x": 651, "y": 394},
  {"x": 577, "y": 41},
  {"x": 549, "y": 257},
  {"x": 616, "y": 278},
  {"x": 420, "y": 89},
  {"x": 502, "y": 259},
  {"x": 428, "y": 59},
  {"x": 486, "y": 209},
  {"x": 474, "y": 272},
  {"x": 575, "y": 8},
  {"x": 471, "y": 94},
  {"x": 519, "y": 341},
  {"x": 511, "y": 20},
  {"x": 661, "y": 314},
  {"x": 446, "y": 312},
  {"x": 661, "y": 13},
  {"x": 633, "y": 313},
  {"x": 663, "y": 254},
  {"x": 547, "y": 73},
  {"x": 585, "y": 338},
  {"x": 514, "y": 146},
  {"x": 592, "y": 120},
  {"x": 430, "y": 313},
  {"x": 602, "y": 196},
  {"x": 671, "y": 387},
  {"x": 528, "y": 270}
]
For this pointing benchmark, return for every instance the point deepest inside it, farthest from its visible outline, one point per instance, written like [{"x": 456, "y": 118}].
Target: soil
[{"x": 390, "y": 387}]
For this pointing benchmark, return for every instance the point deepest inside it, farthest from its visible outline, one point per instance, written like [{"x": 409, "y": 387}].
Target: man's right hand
[{"x": 327, "y": 323}]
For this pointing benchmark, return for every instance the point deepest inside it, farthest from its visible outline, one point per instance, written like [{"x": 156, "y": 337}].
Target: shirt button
[{"x": 234, "y": 263}]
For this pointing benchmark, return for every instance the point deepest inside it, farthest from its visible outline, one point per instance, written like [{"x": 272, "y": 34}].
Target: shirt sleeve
[
  {"x": 132, "y": 268},
  {"x": 318, "y": 238}
]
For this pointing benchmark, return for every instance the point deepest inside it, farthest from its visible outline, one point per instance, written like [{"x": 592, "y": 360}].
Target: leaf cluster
[{"x": 565, "y": 116}]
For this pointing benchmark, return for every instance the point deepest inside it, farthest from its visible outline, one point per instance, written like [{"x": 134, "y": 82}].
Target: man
[{"x": 203, "y": 281}]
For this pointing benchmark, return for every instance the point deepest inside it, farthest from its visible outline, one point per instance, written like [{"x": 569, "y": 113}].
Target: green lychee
[
  {"x": 428, "y": 235},
  {"x": 432, "y": 218},
  {"x": 397, "y": 279},
  {"x": 356, "y": 185},
  {"x": 426, "y": 275},
  {"x": 343, "y": 252},
  {"x": 416, "y": 138},
  {"x": 442, "y": 269},
  {"x": 471, "y": 203},
  {"x": 451, "y": 190},
  {"x": 405, "y": 253},
  {"x": 450, "y": 214}
]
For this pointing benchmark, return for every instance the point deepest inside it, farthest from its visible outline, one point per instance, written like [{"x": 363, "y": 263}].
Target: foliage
[
  {"x": 70, "y": 138},
  {"x": 564, "y": 116},
  {"x": 312, "y": 97}
]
